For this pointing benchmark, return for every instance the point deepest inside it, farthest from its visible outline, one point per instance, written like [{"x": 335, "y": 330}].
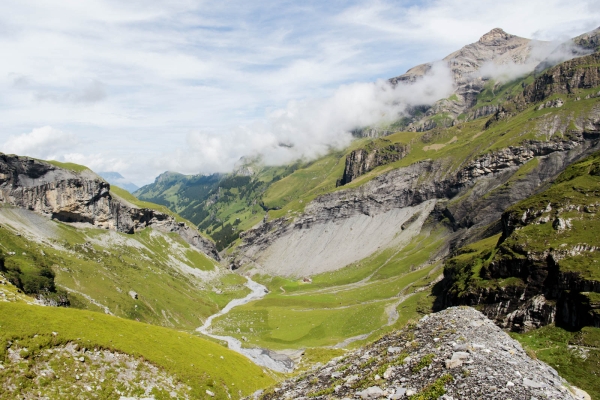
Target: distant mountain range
[{"x": 115, "y": 178}]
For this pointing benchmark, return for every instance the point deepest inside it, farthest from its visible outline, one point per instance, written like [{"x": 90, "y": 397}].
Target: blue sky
[{"x": 142, "y": 87}]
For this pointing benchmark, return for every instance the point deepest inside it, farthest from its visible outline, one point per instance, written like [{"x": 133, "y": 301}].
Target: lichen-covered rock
[{"x": 457, "y": 353}]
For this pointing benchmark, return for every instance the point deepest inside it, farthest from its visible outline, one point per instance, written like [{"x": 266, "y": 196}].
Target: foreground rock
[
  {"x": 70, "y": 371},
  {"x": 455, "y": 354}
]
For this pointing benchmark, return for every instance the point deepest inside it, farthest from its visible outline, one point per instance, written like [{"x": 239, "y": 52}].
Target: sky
[{"x": 191, "y": 86}]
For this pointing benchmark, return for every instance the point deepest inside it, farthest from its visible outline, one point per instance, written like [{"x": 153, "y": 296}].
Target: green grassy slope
[
  {"x": 176, "y": 284},
  {"x": 125, "y": 195},
  {"x": 68, "y": 166},
  {"x": 181, "y": 193},
  {"x": 453, "y": 146},
  {"x": 574, "y": 355},
  {"x": 220, "y": 205},
  {"x": 196, "y": 362},
  {"x": 574, "y": 196},
  {"x": 335, "y": 306}
]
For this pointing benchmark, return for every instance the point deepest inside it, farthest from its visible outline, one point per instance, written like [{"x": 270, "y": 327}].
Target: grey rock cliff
[
  {"x": 496, "y": 47},
  {"x": 431, "y": 180},
  {"x": 70, "y": 196},
  {"x": 361, "y": 161},
  {"x": 579, "y": 73}
]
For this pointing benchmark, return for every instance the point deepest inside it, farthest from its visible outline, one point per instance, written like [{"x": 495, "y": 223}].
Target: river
[{"x": 263, "y": 357}]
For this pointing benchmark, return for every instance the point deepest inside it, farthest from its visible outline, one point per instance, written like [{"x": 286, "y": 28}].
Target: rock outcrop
[
  {"x": 416, "y": 184},
  {"x": 589, "y": 40},
  {"x": 70, "y": 196},
  {"x": 454, "y": 354},
  {"x": 543, "y": 269},
  {"x": 361, "y": 161},
  {"x": 578, "y": 73}
]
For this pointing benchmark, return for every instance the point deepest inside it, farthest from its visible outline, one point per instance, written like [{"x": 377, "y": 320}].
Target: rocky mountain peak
[{"x": 494, "y": 35}]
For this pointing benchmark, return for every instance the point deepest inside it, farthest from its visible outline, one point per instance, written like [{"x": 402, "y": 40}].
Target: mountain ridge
[
  {"x": 496, "y": 209},
  {"x": 72, "y": 196}
]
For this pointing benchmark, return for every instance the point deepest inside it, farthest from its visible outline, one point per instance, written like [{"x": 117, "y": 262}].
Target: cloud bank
[
  {"x": 45, "y": 143},
  {"x": 310, "y": 128},
  {"x": 543, "y": 54},
  {"x": 140, "y": 82}
]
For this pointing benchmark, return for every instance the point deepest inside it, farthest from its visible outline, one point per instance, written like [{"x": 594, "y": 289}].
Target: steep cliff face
[
  {"x": 361, "y": 161},
  {"x": 546, "y": 266},
  {"x": 579, "y": 73},
  {"x": 481, "y": 189},
  {"x": 71, "y": 196}
]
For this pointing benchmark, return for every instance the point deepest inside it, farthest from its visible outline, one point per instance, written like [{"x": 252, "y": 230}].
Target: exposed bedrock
[
  {"x": 361, "y": 161},
  {"x": 70, "y": 196},
  {"x": 471, "y": 199}
]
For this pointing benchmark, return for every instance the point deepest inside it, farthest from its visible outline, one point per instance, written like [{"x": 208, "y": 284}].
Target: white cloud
[
  {"x": 541, "y": 53},
  {"x": 137, "y": 80},
  {"x": 45, "y": 142},
  {"x": 312, "y": 127},
  {"x": 96, "y": 162},
  {"x": 88, "y": 93}
]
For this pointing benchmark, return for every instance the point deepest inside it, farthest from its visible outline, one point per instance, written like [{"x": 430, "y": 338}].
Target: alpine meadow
[{"x": 429, "y": 235}]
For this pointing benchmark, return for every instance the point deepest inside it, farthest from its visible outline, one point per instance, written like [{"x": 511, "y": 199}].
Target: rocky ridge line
[
  {"x": 455, "y": 354},
  {"x": 496, "y": 47},
  {"x": 426, "y": 180},
  {"x": 70, "y": 196}
]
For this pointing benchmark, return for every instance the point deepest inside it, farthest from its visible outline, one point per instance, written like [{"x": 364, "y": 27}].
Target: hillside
[
  {"x": 220, "y": 205},
  {"x": 487, "y": 198},
  {"x": 68, "y": 238},
  {"x": 64, "y": 353},
  {"x": 351, "y": 244},
  {"x": 542, "y": 269}
]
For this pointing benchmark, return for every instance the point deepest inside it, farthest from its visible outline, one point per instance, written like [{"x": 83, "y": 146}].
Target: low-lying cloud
[
  {"x": 542, "y": 55},
  {"x": 309, "y": 128}
]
